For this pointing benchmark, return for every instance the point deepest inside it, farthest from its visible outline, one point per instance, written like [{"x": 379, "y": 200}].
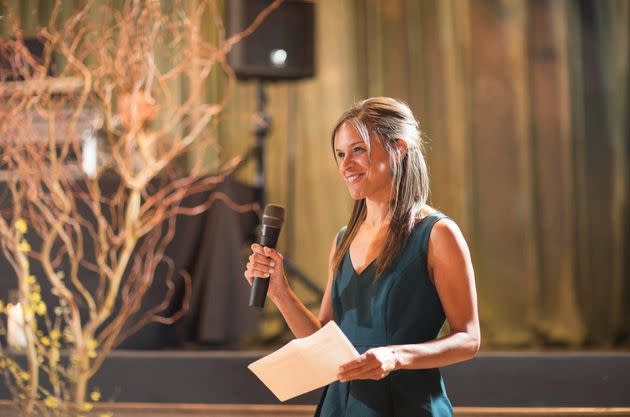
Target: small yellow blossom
[
  {"x": 30, "y": 279},
  {"x": 55, "y": 334},
  {"x": 92, "y": 344},
  {"x": 54, "y": 357},
  {"x": 20, "y": 226},
  {"x": 87, "y": 407},
  {"x": 23, "y": 376},
  {"x": 45, "y": 341},
  {"x": 24, "y": 263},
  {"x": 24, "y": 246},
  {"x": 95, "y": 395},
  {"x": 40, "y": 308},
  {"x": 35, "y": 297},
  {"x": 51, "y": 402}
]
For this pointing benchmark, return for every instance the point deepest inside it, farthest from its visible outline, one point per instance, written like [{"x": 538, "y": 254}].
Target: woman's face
[{"x": 367, "y": 174}]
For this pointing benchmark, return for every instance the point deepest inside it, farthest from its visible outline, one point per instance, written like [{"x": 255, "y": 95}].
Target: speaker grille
[{"x": 282, "y": 47}]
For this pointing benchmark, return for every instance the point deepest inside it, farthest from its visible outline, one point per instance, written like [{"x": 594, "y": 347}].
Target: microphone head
[{"x": 273, "y": 216}]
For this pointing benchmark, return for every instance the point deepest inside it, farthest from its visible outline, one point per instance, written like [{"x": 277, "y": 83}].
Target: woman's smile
[
  {"x": 364, "y": 168},
  {"x": 353, "y": 178}
]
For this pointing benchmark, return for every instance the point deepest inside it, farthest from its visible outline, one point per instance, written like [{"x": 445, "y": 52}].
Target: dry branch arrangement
[{"x": 96, "y": 137}]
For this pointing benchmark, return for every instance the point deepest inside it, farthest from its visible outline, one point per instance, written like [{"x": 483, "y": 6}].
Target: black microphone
[{"x": 273, "y": 217}]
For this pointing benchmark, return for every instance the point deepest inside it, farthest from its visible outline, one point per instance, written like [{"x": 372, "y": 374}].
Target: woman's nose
[{"x": 345, "y": 162}]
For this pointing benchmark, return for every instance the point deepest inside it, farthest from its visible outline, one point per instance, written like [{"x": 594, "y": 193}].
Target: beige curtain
[{"x": 525, "y": 108}]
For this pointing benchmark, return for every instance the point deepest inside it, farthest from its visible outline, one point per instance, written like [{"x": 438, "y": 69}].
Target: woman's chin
[{"x": 356, "y": 195}]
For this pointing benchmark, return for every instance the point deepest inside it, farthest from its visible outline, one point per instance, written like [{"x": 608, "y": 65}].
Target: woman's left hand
[{"x": 375, "y": 364}]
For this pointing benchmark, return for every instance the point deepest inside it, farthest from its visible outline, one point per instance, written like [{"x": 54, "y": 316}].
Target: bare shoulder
[{"x": 446, "y": 235}]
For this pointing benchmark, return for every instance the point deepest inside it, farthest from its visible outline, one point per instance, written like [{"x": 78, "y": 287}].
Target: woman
[{"x": 396, "y": 272}]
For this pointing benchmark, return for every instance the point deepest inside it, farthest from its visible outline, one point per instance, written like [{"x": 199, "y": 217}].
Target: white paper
[{"x": 305, "y": 364}]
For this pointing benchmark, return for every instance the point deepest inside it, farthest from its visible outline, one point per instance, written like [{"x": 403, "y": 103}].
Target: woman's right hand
[{"x": 267, "y": 263}]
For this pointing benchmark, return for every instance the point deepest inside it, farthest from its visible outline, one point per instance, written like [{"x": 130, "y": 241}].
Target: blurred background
[{"x": 524, "y": 105}]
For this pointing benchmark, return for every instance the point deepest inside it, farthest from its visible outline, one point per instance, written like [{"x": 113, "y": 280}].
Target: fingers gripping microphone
[{"x": 273, "y": 217}]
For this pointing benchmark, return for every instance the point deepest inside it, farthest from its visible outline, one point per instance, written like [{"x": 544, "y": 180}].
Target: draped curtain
[{"x": 524, "y": 106}]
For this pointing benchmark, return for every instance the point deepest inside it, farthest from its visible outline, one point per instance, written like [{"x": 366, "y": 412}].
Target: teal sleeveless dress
[{"x": 400, "y": 307}]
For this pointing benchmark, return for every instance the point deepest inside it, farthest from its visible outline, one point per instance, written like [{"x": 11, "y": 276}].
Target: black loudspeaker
[{"x": 281, "y": 48}]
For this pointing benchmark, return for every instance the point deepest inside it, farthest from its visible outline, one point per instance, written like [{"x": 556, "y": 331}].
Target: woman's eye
[
  {"x": 340, "y": 155},
  {"x": 358, "y": 149}
]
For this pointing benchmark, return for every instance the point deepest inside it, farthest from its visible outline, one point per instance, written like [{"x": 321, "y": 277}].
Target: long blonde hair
[{"x": 389, "y": 120}]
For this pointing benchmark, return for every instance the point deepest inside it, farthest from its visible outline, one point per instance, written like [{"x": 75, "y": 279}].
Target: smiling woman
[{"x": 397, "y": 271}]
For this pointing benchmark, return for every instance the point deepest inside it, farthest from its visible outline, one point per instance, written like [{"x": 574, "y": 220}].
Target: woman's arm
[
  {"x": 451, "y": 269},
  {"x": 300, "y": 320}
]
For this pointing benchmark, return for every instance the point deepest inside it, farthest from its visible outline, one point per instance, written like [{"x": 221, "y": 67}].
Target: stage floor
[{"x": 260, "y": 410}]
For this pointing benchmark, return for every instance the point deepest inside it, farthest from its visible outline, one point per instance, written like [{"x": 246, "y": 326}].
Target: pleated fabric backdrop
[{"x": 525, "y": 106}]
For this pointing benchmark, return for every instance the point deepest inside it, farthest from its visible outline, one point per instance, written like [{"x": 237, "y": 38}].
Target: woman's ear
[{"x": 401, "y": 148}]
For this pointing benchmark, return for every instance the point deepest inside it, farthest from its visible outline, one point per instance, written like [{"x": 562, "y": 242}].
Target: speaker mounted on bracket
[{"x": 281, "y": 48}]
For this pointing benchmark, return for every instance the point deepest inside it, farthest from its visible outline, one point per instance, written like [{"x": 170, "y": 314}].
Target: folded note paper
[{"x": 305, "y": 364}]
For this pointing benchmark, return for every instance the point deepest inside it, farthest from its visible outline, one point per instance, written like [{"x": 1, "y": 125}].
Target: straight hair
[{"x": 388, "y": 120}]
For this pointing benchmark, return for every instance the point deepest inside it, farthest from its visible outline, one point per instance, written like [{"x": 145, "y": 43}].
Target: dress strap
[
  {"x": 340, "y": 234},
  {"x": 425, "y": 231}
]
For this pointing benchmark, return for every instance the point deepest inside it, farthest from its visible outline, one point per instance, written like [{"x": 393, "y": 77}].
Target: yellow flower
[
  {"x": 30, "y": 279},
  {"x": 28, "y": 311},
  {"x": 20, "y": 225},
  {"x": 92, "y": 344},
  {"x": 40, "y": 308},
  {"x": 86, "y": 407},
  {"x": 95, "y": 395},
  {"x": 24, "y": 246},
  {"x": 23, "y": 376},
  {"x": 51, "y": 402},
  {"x": 35, "y": 297},
  {"x": 55, "y": 334},
  {"x": 54, "y": 357},
  {"x": 45, "y": 341}
]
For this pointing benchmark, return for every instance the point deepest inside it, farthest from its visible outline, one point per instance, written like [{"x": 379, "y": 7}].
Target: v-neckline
[{"x": 354, "y": 269}]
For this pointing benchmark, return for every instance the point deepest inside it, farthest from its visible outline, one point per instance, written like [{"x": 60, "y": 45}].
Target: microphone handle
[{"x": 258, "y": 293}]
